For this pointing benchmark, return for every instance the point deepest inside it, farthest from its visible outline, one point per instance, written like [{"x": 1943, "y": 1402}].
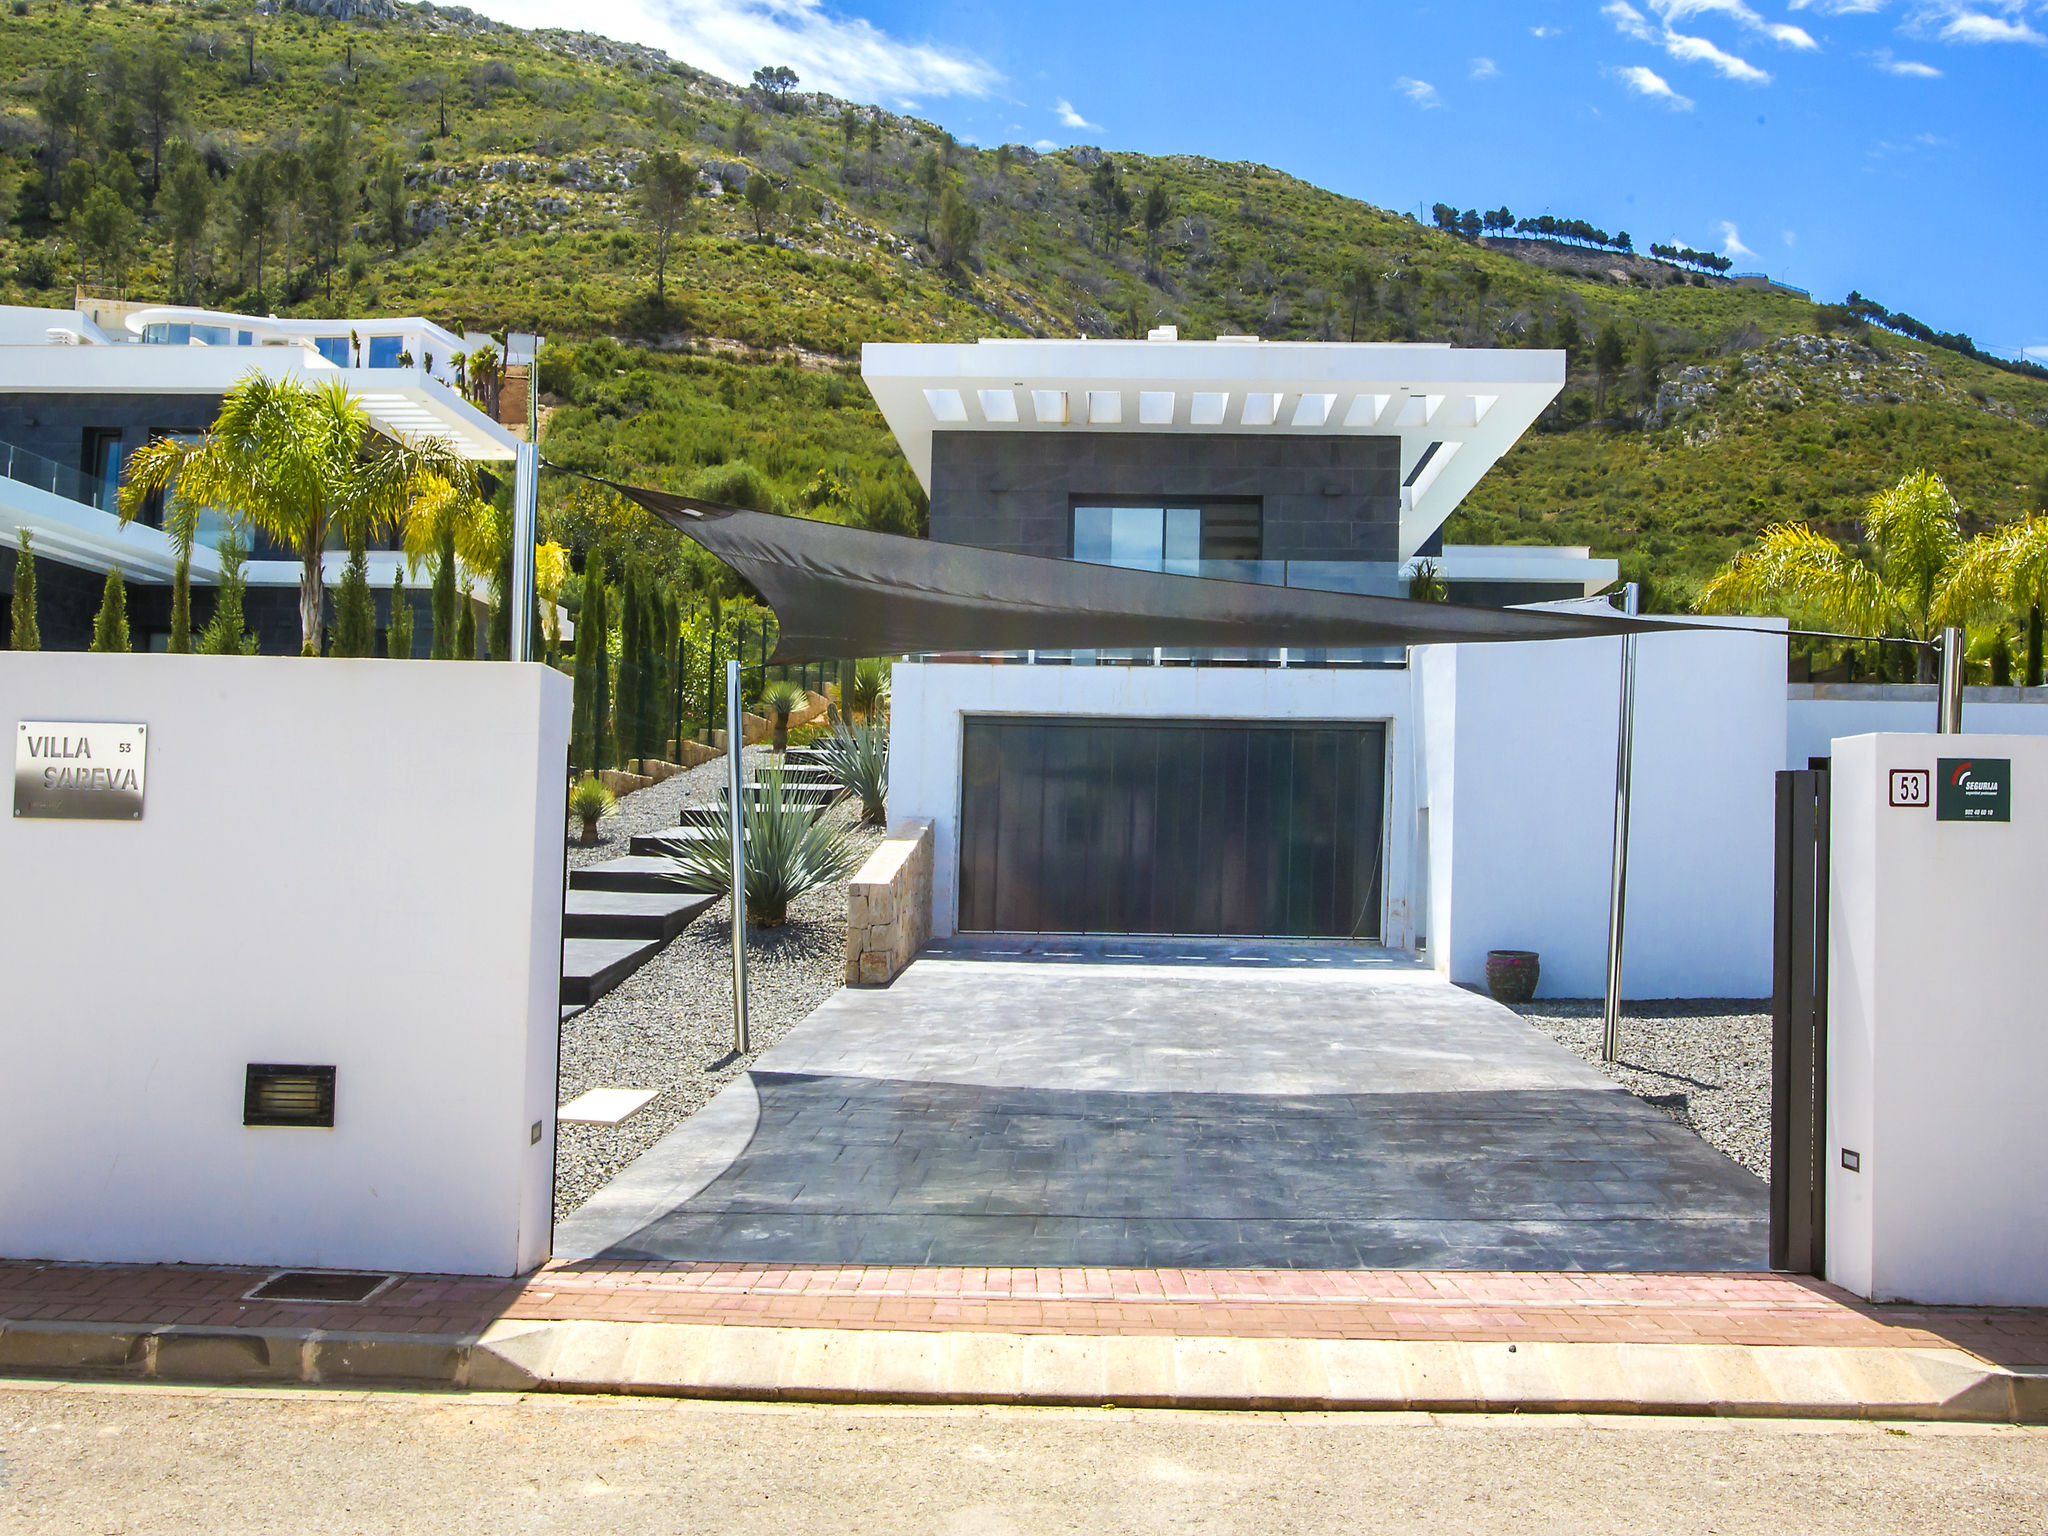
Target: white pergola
[{"x": 1455, "y": 409}]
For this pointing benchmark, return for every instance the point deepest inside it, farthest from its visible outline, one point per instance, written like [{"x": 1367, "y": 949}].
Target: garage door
[{"x": 1192, "y": 827}]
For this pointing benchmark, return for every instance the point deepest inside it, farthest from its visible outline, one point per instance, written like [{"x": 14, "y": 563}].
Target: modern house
[
  {"x": 1453, "y": 799},
  {"x": 82, "y": 388}
]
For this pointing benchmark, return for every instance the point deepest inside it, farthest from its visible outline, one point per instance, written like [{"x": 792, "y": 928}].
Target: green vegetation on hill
[{"x": 424, "y": 160}]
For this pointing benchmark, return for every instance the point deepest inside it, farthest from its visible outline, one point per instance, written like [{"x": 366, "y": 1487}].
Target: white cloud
[
  {"x": 1421, "y": 92},
  {"x": 1632, "y": 23},
  {"x": 1839, "y": 7},
  {"x": 1069, "y": 118},
  {"x": 1965, "y": 26},
  {"x": 1782, "y": 33},
  {"x": 1045, "y": 146},
  {"x": 1546, "y": 31},
  {"x": 1791, "y": 238},
  {"x": 1697, "y": 50},
  {"x": 1484, "y": 69},
  {"x": 1731, "y": 241},
  {"x": 1629, "y": 21},
  {"x": 1909, "y": 69},
  {"x": 1647, "y": 82},
  {"x": 845, "y": 55}
]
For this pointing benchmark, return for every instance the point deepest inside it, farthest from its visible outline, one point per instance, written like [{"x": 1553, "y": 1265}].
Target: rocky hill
[{"x": 356, "y": 154}]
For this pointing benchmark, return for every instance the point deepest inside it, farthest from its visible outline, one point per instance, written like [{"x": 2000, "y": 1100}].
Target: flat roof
[
  {"x": 404, "y": 402},
  {"x": 1471, "y": 403}
]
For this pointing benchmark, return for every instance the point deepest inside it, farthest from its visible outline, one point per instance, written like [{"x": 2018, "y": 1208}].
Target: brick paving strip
[{"x": 603, "y": 1312}]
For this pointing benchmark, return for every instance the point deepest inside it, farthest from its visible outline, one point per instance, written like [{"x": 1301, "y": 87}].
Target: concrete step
[
  {"x": 630, "y": 914},
  {"x": 592, "y": 967},
  {"x": 632, "y": 873}
]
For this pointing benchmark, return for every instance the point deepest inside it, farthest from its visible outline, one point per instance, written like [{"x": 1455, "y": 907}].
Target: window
[
  {"x": 1176, "y": 539},
  {"x": 333, "y": 348},
  {"x": 245, "y": 338},
  {"x": 102, "y": 465},
  {"x": 384, "y": 351},
  {"x": 163, "y": 334},
  {"x": 211, "y": 335}
]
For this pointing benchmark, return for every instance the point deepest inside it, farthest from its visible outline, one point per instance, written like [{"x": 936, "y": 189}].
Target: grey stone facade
[{"x": 1335, "y": 498}]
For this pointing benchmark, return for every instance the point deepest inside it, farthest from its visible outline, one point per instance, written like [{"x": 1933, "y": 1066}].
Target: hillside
[{"x": 191, "y": 150}]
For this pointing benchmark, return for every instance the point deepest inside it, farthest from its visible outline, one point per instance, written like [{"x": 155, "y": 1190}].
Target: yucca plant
[
  {"x": 591, "y": 802},
  {"x": 870, "y": 688},
  {"x": 781, "y": 699},
  {"x": 788, "y": 851},
  {"x": 857, "y": 753}
]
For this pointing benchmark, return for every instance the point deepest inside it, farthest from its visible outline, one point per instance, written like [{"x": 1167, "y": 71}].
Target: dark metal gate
[
  {"x": 1799, "y": 1024},
  {"x": 1179, "y": 827}
]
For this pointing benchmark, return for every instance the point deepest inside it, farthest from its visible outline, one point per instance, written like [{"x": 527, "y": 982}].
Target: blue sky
[{"x": 1893, "y": 146}]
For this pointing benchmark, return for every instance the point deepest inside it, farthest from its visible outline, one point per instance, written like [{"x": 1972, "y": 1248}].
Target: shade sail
[{"x": 840, "y": 591}]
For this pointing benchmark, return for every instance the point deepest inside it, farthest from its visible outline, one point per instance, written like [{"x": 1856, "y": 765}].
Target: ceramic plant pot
[{"x": 1511, "y": 974}]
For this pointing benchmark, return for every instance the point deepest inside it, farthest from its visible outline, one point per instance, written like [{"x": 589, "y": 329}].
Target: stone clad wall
[{"x": 889, "y": 906}]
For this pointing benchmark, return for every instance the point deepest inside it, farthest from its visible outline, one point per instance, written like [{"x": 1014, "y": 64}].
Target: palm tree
[
  {"x": 2001, "y": 575},
  {"x": 1904, "y": 587},
  {"x": 296, "y": 462}
]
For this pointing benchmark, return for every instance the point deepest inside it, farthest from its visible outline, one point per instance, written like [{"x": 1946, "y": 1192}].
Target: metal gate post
[{"x": 736, "y": 830}]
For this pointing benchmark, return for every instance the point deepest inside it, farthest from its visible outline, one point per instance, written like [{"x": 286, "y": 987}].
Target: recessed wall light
[{"x": 274, "y": 1094}]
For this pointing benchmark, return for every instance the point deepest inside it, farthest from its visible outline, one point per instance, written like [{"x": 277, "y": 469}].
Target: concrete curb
[{"x": 885, "y": 1366}]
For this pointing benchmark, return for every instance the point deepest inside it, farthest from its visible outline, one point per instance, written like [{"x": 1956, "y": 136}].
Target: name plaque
[{"x": 79, "y": 770}]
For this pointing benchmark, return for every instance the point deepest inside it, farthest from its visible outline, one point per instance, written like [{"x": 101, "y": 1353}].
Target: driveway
[{"x": 1176, "y": 1104}]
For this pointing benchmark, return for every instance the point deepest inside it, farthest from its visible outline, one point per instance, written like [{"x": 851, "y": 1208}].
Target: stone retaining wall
[{"x": 889, "y": 906}]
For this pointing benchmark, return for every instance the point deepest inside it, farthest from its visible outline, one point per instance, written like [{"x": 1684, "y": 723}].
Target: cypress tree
[
  {"x": 110, "y": 625},
  {"x": 355, "y": 611},
  {"x": 626, "y": 686},
  {"x": 181, "y": 606},
  {"x": 28, "y": 636},
  {"x": 591, "y": 695},
  {"x": 444, "y": 597},
  {"x": 501, "y": 593},
  {"x": 398, "y": 638},
  {"x": 465, "y": 628},
  {"x": 224, "y": 634}
]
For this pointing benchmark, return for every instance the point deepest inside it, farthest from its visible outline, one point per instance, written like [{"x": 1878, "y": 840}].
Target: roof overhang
[
  {"x": 1472, "y": 401},
  {"x": 403, "y": 402}
]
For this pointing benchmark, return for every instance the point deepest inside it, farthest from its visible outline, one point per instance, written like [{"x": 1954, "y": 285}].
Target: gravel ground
[
  {"x": 1706, "y": 1062},
  {"x": 668, "y": 1026}
]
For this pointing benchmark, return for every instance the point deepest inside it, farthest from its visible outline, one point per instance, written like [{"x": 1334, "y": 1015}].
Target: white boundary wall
[
  {"x": 1936, "y": 1052},
  {"x": 346, "y": 862},
  {"x": 1505, "y": 755},
  {"x": 1819, "y": 713},
  {"x": 1519, "y": 774}
]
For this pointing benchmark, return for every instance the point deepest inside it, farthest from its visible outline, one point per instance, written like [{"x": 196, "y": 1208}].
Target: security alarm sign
[
  {"x": 79, "y": 770},
  {"x": 1973, "y": 789}
]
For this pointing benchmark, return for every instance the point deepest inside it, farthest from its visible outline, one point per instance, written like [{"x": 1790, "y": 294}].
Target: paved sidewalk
[
  {"x": 1239, "y": 1105},
  {"x": 1742, "y": 1344}
]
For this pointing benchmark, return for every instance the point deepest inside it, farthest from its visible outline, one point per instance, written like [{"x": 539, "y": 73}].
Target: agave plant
[
  {"x": 591, "y": 802},
  {"x": 857, "y": 753},
  {"x": 788, "y": 852},
  {"x": 781, "y": 699},
  {"x": 870, "y": 688}
]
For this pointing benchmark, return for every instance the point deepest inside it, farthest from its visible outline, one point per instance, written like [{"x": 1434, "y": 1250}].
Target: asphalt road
[{"x": 91, "y": 1459}]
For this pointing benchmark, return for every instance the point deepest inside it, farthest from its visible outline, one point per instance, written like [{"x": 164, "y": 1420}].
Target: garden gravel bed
[
  {"x": 668, "y": 1026},
  {"x": 1706, "y": 1062}
]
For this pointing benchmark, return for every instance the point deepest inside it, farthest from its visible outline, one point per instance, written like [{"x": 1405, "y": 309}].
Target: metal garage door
[{"x": 1125, "y": 826}]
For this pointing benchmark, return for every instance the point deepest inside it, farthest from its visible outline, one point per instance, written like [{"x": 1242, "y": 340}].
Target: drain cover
[{"x": 319, "y": 1285}]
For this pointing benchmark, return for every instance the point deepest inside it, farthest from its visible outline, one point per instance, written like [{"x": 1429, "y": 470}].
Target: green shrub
[
  {"x": 789, "y": 851},
  {"x": 110, "y": 625},
  {"x": 28, "y": 636},
  {"x": 589, "y": 803},
  {"x": 858, "y": 755}
]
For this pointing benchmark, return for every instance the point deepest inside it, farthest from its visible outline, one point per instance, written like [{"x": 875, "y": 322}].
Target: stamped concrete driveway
[{"x": 1175, "y": 1104}]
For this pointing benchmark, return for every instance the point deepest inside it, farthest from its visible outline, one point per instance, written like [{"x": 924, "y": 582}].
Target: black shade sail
[{"x": 840, "y": 591}]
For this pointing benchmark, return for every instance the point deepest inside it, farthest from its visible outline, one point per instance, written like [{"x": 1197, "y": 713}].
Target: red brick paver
[{"x": 1470, "y": 1307}]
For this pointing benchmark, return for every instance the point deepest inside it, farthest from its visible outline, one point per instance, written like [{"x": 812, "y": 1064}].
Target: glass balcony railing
[{"x": 19, "y": 464}]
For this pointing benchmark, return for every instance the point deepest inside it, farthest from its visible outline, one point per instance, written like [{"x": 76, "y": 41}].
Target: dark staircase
[{"x": 616, "y": 916}]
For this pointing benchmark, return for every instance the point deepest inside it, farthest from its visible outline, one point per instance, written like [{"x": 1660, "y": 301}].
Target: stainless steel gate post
[
  {"x": 1950, "y": 721},
  {"x": 736, "y": 830},
  {"x": 1617, "y": 891}
]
